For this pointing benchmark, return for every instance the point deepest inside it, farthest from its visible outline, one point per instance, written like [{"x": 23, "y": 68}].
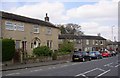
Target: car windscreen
[
  {"x": 97, "y": 52},
  {"x": 84, "y": 53},
  {"x": 79, "y": 53},
  {"x": 91, "y": 52}
]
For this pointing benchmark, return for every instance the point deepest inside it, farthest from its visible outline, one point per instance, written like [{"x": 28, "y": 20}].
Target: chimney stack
[
  {"x": 46, "y": 18},
  {"x": 99, "y": 34}
]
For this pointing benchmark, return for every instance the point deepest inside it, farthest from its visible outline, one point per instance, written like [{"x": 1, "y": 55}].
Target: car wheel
[
  {"x": 90, "y": 59},
  {"x": 83, "y": 59}
]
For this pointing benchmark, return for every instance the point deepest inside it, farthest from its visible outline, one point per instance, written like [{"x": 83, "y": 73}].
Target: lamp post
[{"x": 112, "y": 37}]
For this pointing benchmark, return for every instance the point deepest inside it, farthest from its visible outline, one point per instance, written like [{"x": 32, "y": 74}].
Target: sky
[{"x": 94, "y": 16}]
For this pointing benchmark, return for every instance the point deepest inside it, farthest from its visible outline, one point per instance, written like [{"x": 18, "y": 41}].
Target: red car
[{"x": 106, "y": 54}]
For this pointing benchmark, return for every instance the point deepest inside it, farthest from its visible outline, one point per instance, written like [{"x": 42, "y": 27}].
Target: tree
[
  {"x": 66, "y": 46},
  {"x": 71, "y": 28},
  {"x": 63, "y": 30},
  {"x": 74, "y": 29}
]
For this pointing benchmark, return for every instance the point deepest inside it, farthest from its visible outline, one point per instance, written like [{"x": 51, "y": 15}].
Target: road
[{"x": 106, "y": 67}]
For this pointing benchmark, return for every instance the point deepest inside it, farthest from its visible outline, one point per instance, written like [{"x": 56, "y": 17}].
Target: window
[
  {"x": 49, "y": 43},
  {"x": 36, "y": 29},
  {"x": 20, "y": 27},
  {"x": 87, "y": 42},
  {"x": 36, "y": 43},
  {"x": 96, "y": 42},
  {"x": 78, "y": 41},
  {"x": 101, "y": 42},
  {"x": 9, "y": 25},
  {"x": 31, "y": 45},
  {"x": 49, "y": 30},
  {"x": 15, "y": 27}
]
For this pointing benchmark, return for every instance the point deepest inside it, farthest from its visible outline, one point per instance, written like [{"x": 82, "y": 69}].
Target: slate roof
[
  {"x": 112, "y": 43},
  {"x": 12, "y": 16},
  {"x": 71, "y": 36},
  {"x": 118, "y": 43},
  {"x": 67, "y": 36}
]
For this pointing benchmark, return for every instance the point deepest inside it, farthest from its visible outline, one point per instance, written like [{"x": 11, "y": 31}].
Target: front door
[{"x": 24, "y": 45}]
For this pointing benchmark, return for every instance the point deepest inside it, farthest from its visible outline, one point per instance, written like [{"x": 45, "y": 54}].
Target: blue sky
[
  {"x": 96, "y": 16},
  {"x": 68, "y": 5}
]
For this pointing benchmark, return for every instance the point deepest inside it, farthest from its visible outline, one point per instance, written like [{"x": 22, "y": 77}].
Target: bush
[
  {"x": 66, "y": 47},
  {"x": 8, "y": 49},
  {"x": 42, "y": 51}
]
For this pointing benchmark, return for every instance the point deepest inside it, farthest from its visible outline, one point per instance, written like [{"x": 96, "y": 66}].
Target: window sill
[{"x": 36, "y": 33}]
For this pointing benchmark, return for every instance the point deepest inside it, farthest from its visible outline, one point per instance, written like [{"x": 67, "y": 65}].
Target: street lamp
[{"x": 112, "y": 37}]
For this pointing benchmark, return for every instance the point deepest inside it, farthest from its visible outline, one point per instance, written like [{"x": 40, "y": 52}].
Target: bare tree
[
  {"x": 70, "y": 28},
  {"x": 74, "y": 29}
]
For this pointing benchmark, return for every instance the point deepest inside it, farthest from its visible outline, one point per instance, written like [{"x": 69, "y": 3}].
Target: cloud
[
  {"x": 55, "y": 11},
  {"x": 103, "y": 9},
  {"x": 93, "y": 28}
]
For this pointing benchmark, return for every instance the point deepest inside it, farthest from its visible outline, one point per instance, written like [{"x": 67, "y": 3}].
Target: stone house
[{"x": 28, "y": 33}]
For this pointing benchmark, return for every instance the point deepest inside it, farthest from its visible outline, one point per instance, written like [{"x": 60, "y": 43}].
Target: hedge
[{"x": 8, "y": 49}]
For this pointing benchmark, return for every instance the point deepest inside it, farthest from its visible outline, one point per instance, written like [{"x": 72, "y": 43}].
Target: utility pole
[{"x": 112, "y": 37}]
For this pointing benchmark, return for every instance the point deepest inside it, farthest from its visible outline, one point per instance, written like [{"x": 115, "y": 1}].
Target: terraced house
[
  {"x": 84, "y": 42},
  {"x": 29, "y": 33}
]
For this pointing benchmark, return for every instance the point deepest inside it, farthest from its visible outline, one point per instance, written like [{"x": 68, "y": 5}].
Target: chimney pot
[{"x": 46, "y": 18}]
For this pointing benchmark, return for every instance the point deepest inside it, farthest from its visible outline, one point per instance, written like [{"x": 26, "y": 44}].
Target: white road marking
[
  {"x": 108, "y": 64},
  {"x": 36, "y": 70},
  {"x": 53, "y": 67},
  {"x": 64, "y": 65},
  {"x": 84, "y": 75},
  {"x": 117, "y": 65},
  {"x": 86, "y": 72},
  {"x": 12, "y": 74},
  {"x": 101, "y": 69},
  {"x": 74, "y": 63},
  {"x": 102, "y": 73}
]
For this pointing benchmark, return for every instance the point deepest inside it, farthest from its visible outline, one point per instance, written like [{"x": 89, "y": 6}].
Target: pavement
[
  {"x": 31, "y": 65},
  {"x": 101, "y": 68}
]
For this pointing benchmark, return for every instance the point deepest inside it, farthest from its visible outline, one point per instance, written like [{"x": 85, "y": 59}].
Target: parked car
[
  {"x": 95, "y": 55},
  {"x": 80, "y": 56},
  {"x": 113, "y": 53},
  {"x": 106, "y": 54}
]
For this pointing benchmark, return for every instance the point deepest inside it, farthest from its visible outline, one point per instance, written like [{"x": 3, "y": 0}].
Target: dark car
[
  {"x": 80, "y": 56},
  {"x": 95, "y": 55}
]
